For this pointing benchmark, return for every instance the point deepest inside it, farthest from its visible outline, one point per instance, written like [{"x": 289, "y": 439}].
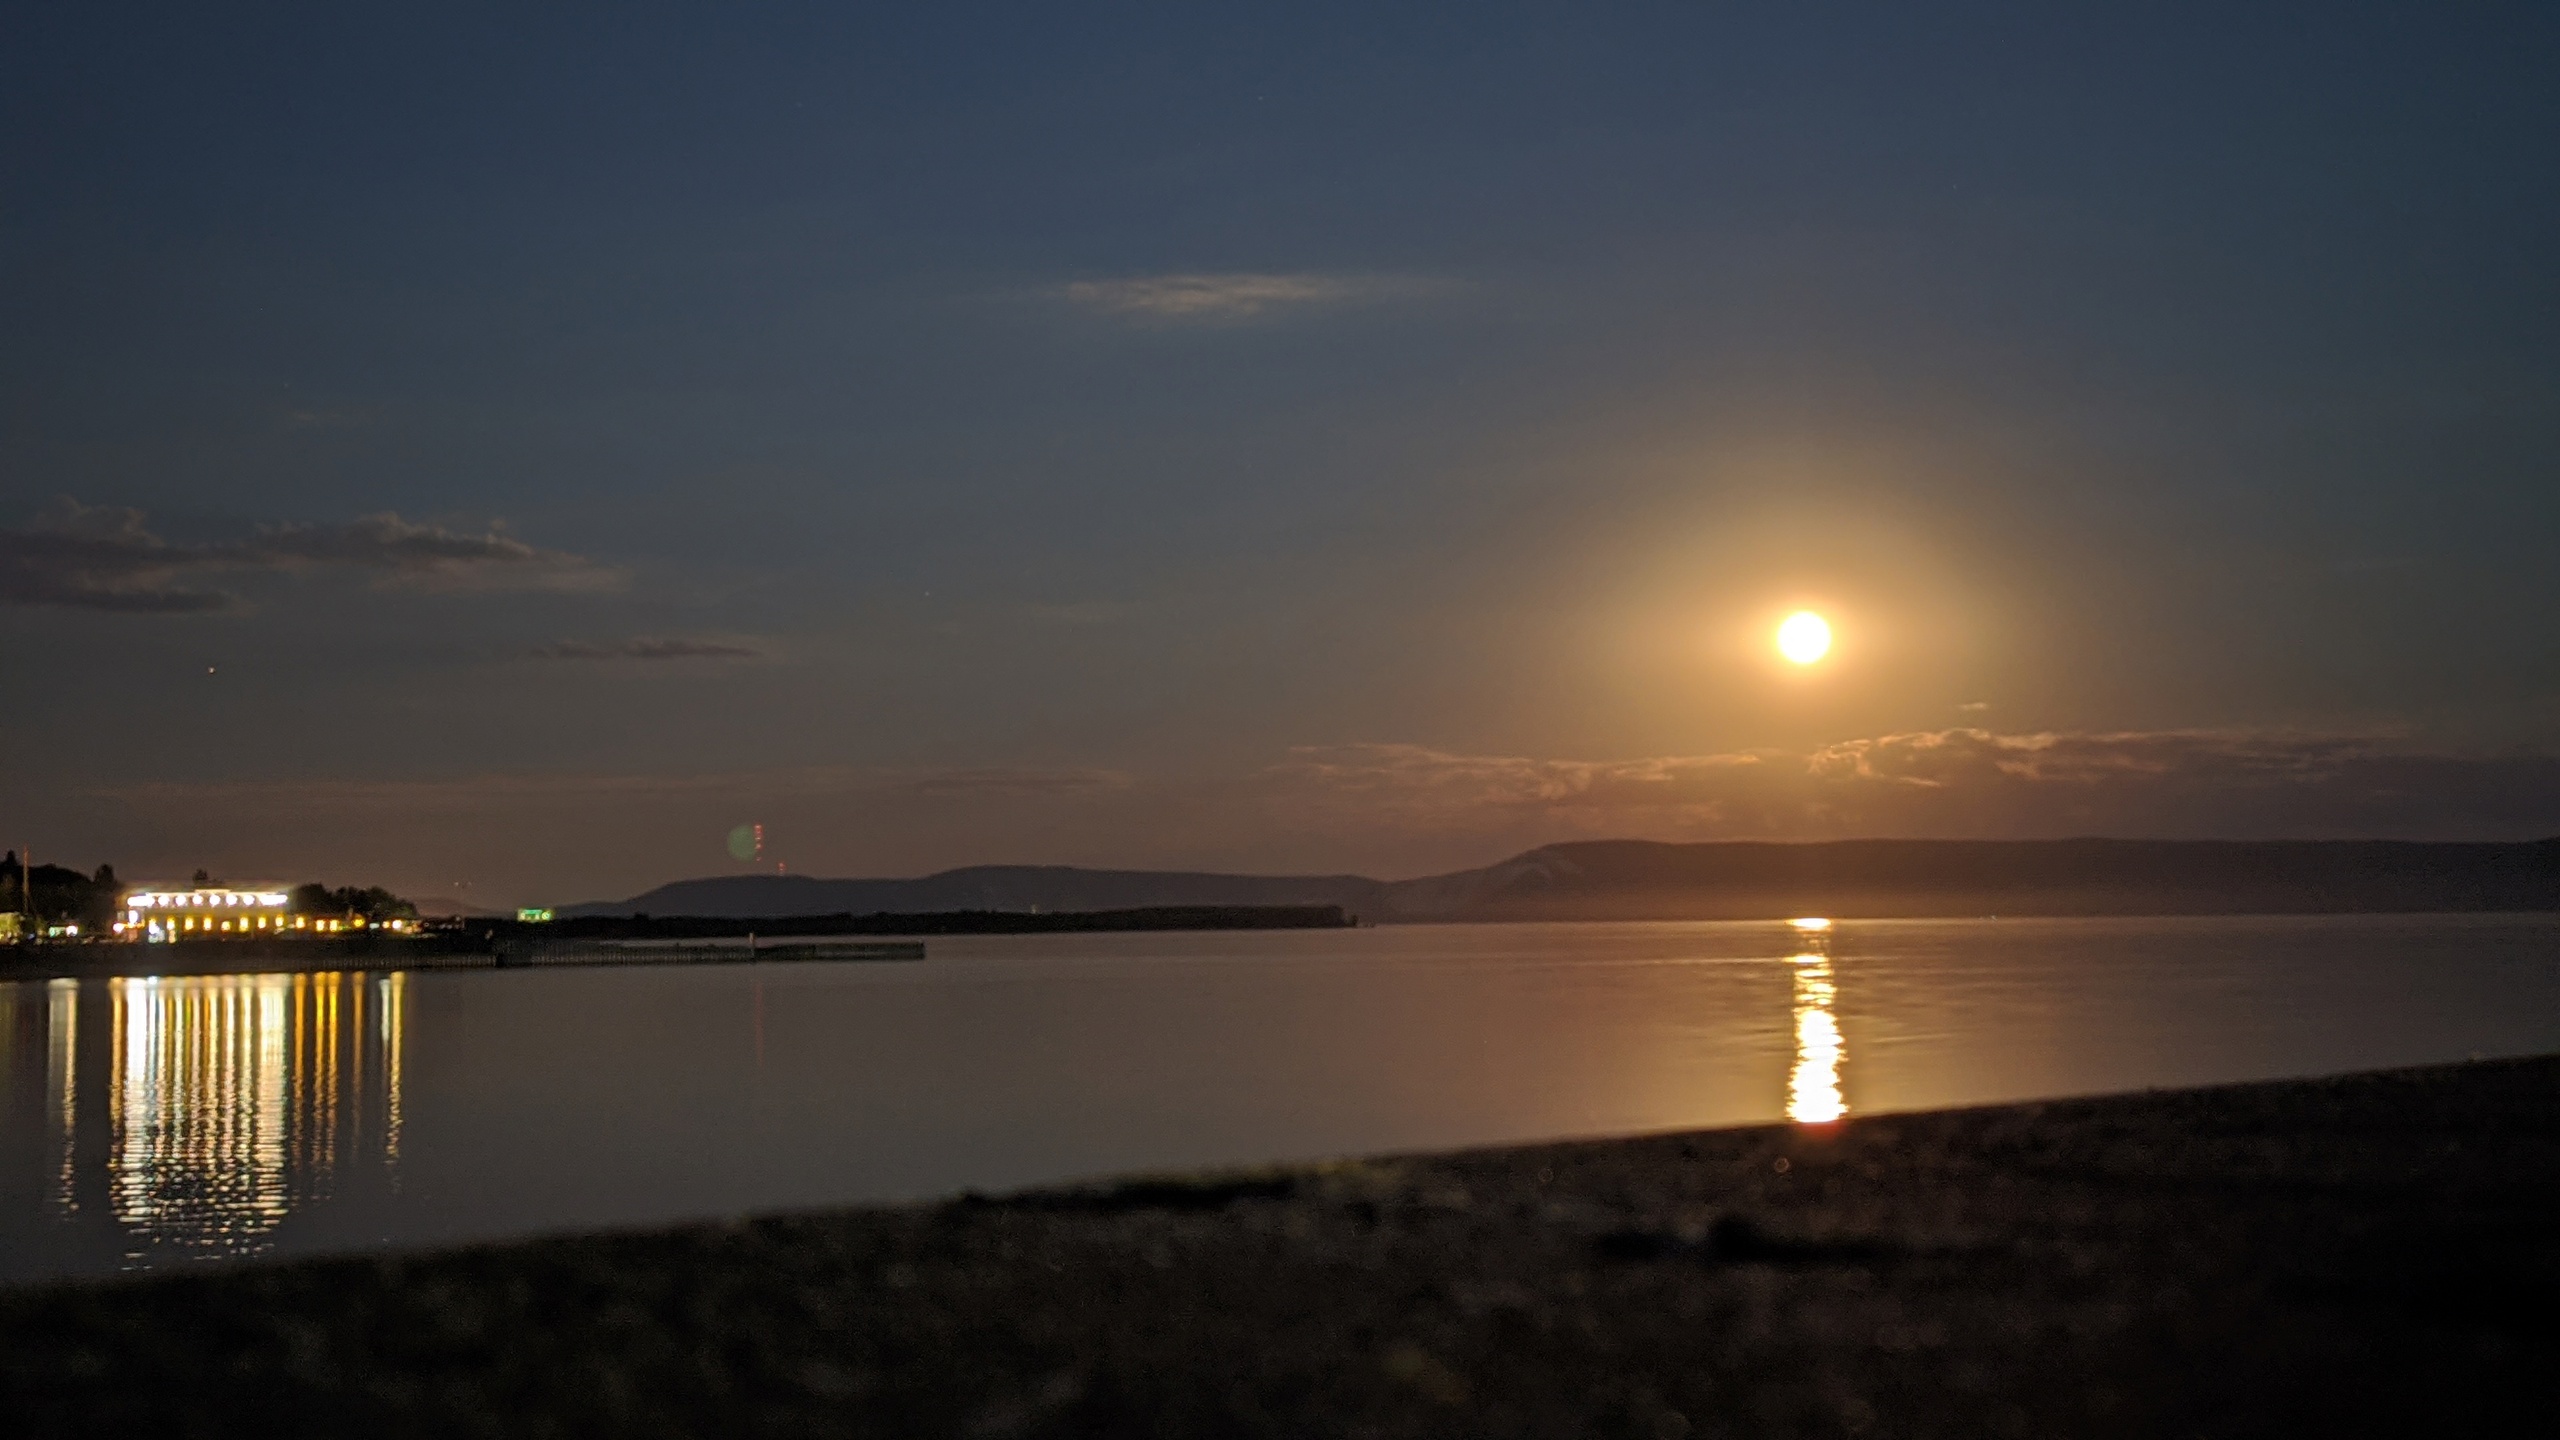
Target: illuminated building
[
  {"x": 206, "y": 913},
  {"x": 221, "y": 913}
]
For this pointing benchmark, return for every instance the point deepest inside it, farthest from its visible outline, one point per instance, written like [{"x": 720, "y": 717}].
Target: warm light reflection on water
[
  {"x": 229, "y": 1101},
  {"x": 62, "y": 1086},
  {"x": 1813, "y": 1088}
]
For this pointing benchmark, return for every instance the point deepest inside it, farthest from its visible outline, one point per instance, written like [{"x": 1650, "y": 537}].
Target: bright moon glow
[{"x": 1805, "y": 637}]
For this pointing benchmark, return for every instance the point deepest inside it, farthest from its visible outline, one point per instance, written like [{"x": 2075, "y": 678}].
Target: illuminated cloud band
[{"x": 1949, "y": 783}]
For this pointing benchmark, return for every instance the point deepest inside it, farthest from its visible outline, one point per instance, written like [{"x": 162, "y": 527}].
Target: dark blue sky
[{"x": 1264, "y": 437}]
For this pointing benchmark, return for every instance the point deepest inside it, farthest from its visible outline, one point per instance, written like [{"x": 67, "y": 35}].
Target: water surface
[{"x": 147, "y": 1123}]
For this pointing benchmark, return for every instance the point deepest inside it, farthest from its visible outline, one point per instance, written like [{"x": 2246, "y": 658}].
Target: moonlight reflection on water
[{"x": 1813, "y": 1087}]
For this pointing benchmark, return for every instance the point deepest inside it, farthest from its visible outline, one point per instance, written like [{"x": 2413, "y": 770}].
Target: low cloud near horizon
[
  {"x": 648, "y": 649},
  {"x": 1232, "y": 297},
  {"x": 1389, "y": 811},
  {"x": 1956, "y": 783},
  {"x": 106, "y": 558}
]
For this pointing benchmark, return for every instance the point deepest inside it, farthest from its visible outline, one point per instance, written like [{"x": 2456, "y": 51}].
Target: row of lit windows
[{"x": 134, "y": 925}]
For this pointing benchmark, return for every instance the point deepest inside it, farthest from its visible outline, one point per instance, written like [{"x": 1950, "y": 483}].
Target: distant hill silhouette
[
  {"x": 988, "y": 887},
  {"x": 1625, "y": 879},
  {"x": 1645, "y": 880}
]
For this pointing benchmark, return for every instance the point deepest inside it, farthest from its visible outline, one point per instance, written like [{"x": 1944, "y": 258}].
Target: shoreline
[
  {"x": 250, "y": 958},
  {"x": 2367, "y": 1254},
  {"x": 103, "y": 960},
  {"x": 609, "y": 940}
]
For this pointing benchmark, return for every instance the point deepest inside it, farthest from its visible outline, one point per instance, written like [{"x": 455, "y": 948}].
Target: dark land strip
[
  {"x": 2369, "y": 1255},
  {"x": 488, "y": 943},
  {"x": 937, "y": 922}
]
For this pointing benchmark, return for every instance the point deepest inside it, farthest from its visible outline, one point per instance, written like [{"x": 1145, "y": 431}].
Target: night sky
[{"x": 493, "y": 453}]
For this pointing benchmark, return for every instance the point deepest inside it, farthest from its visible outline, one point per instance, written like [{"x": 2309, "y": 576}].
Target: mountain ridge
[{"x": 1659, "y": 880}]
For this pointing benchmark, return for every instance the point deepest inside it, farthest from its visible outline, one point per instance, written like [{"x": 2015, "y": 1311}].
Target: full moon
[{"x": 1804, "y": 637}]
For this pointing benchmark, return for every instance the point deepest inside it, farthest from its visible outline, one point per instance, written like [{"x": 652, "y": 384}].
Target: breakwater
[{"x": 514, "y": 952}]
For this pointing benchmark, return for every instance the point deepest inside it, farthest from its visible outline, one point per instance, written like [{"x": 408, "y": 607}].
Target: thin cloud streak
[
  {"x": 494, "y": 792},
  {"x": 647, "y": 649},
  {"x": 1018, "y": 780},
  {"x": 106, "y": 558},
  {"x": 1080, "y": 613},
  {"x": 1214, "y": 298}
]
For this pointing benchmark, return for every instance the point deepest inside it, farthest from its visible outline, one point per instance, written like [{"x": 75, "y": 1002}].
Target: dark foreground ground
[{"x": 2372, "y": 1255}]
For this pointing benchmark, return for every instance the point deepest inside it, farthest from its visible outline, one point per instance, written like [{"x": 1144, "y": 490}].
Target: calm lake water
[{"x": 149, "y": 1123}]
